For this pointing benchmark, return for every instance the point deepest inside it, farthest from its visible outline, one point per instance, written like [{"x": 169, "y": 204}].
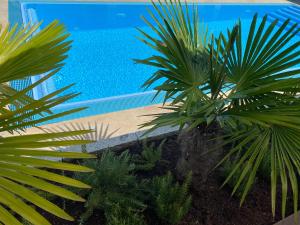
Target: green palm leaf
[{"x": 24, "y": 158}]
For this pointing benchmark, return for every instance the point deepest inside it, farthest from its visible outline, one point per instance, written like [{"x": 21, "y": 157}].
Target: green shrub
[
  {"x": 170, "y": 200},
  {"x": 149, "y": 157},
  {"x": 112, "y": 184},
  {"x": 124, "y": 216}
]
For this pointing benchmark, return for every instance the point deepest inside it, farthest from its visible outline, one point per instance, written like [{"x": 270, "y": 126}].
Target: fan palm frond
[
  {"x": 24, "y": 53},
  {"x": 249, "y": 88}
]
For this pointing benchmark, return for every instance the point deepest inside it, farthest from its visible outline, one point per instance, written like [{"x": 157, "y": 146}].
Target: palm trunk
[{"x": 199, "y": 153}]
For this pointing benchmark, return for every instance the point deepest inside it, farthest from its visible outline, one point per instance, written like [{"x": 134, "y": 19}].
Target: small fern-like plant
[
  {"x": 171, "y": 201},
  {"x": 124, "y": 216},
  {"x": 150, "y": 156},
  {"x": 113, "y": 184}
]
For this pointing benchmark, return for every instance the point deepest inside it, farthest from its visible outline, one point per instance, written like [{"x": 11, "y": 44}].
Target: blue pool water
[{"x": 104, "y": 44}]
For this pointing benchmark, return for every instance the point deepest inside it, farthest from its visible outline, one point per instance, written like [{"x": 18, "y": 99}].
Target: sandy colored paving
[
  {"x": 3, "y": 12},
  {"x": 125, "y": 126},
  {"x": 126, "y": 121}
]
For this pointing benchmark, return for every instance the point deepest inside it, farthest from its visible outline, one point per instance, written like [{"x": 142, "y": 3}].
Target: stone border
[
  {"x": 290, "y": 220},
  {"x": 123, "y": 139}
]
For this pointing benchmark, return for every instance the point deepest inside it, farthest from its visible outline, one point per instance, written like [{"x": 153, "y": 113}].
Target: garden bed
[{"x": 210, "y": 206}]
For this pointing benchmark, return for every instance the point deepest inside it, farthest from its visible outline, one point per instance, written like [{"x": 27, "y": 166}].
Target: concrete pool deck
[
  {"x": 123, "y": 125},
  {"x": 3, "y": 12}
]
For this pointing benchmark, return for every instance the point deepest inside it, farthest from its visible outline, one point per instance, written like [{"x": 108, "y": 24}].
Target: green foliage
[
  {"x": 113, "y": 184},
  {"x": 124, "y": 216},
  {"x": 24, "y": 157},
  {"x": 171, "y": 201},
  {"x": 250, "y": 90},
  {"x": 123, "y": 198},
  {"x": 149, "y": 157}
]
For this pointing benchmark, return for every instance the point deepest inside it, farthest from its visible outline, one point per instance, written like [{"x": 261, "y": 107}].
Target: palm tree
[
  {"x": 242, "y": 95},
  {"x": 25, "y": 166}
]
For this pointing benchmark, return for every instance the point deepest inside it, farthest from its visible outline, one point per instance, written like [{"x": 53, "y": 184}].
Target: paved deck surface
[
  {"x": 3, "y": 12},
  {"x": 124, "y": 126}
]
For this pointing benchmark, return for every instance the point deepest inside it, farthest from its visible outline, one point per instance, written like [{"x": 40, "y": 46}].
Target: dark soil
[{"x": 211, "y": 205}]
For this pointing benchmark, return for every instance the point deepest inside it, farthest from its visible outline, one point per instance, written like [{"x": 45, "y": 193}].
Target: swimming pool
[{"x": 104, "y": 35}]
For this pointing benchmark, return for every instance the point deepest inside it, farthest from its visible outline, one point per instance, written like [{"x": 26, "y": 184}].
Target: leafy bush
[
  {"x": 171, "y": 201},
  {"x": 113, "y": 184},
  {"x": 149, "y": 157}
]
